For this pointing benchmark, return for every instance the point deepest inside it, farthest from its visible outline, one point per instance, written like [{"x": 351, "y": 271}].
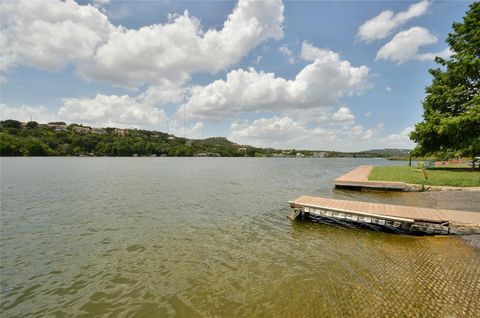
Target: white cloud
[
  {"x": 319, "y": 84},
  {"x": 290, "y": 132},
  {"x": 100, "y": 3},
  {"x": 287, "y": 53},
  {"x": 113, "y": 111},
  {"x": 401, "y": 135},
  {"x": 386, "y": 22},
  {"x": 399, "y": 140},
  {"x": 388, "y": 88},
  {"x": 195, "y": 131},
  {"x": 163, "y": 93},
  {"x": 275, "y": 131},
  {"x": 53, "y": 34},
  {"x": 343, "y": 115},
  {"x": 367, "y": 114},
  {"x": 431, "y": 56},
  {"x": 26, "y": 113},
  {"x": 405, "y": 45},
  {"x": 174, "y": 50},
  {"x": 50, "y": 34},
  {"x": 312, "y": 53}
]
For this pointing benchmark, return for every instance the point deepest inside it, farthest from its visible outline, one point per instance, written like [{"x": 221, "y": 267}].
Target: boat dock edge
[{"x": 379, "y": 222}]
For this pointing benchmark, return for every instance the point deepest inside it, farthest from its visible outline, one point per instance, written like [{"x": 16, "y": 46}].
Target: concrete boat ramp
[
  {"x": 385, "y": 217},
  {"x": 358, "y": 179}
]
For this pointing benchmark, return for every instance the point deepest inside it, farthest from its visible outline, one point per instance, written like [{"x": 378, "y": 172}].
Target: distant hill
[
  {"x": 388, "y": 152},
  {"x": 60, "y": 139}
]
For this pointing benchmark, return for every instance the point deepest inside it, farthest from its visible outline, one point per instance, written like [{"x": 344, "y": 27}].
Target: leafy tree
[
  {"x": 10, "y": 123},
  {"x": 9, "y": 145},
  {"x": 451, "y": 124},
  {"x": 32, "y": 124},
  {"x": 183, "y": 151},
  {"x": 34, "y": 147}
]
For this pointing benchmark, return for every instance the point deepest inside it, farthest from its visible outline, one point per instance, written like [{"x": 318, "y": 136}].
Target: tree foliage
[
  {"x": 451, "y": 118},
  {"x": 31, "y": 124},
  {"x": 11, "y": 123},
  {"x": 33, "y": 139}
]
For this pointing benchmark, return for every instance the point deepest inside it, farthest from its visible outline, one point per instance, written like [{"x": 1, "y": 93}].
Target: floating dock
[
  {"x": 385, "y": 217},
  {"x": 358, "y": 179}
]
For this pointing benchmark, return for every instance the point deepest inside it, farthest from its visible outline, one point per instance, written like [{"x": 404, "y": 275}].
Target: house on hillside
[
  {"x": 57, "y": 126},
  {"x": 121, "y": 131},
  {"x": 99, "y": 131},
  {"x": 82, "y": 129},
  {"x": 320, "y": 154}
]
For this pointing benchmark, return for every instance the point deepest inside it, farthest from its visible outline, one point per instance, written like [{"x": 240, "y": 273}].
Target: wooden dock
[
  {"x": 386, "y": 217},
  {"x": 358, "y": 179}
]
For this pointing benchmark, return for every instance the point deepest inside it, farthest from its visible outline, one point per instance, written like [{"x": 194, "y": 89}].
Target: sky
[{"x": 319, "y": 75}]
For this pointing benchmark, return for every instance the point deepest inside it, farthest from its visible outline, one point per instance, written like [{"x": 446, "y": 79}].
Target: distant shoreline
[{"x": 59, "y": 139}]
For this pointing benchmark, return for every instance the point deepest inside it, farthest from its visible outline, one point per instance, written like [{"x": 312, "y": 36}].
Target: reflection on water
[{"x": 209, "y": 237}]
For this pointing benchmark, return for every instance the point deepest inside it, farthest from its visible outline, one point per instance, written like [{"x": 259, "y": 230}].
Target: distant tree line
[
  {"x": 60, "y": 139},
  {"x": 33, "y": 139}
]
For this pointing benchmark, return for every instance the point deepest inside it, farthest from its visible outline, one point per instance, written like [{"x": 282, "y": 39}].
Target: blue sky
[{"x": 337, "y": 75}]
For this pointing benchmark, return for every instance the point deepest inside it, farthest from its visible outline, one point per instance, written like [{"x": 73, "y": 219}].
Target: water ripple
[{"x": 209, "y": 238}]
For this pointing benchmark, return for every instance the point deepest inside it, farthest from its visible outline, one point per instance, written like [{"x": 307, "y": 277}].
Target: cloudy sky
[{"x": 336, "y": 75}]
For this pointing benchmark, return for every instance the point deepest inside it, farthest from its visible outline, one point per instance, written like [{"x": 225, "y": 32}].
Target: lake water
[{"x": 159, "y": 237}]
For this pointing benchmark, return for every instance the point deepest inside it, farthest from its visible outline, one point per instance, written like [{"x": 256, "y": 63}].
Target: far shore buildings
[
  {"x": 81, "y": 129},
  {"x": 321, "y": 154},
  {"x": 99, "y": 131},
  {"x": 207, "y": 154},
  {"x": 120, "y": 131},
  {"x": 57, "y": 126}
]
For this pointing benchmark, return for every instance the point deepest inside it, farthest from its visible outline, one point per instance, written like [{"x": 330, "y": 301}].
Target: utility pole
[{"x": 184, "y": 116}]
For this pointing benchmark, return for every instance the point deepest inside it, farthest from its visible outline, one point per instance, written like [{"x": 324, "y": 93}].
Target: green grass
[{"x": 436, "y": 177}]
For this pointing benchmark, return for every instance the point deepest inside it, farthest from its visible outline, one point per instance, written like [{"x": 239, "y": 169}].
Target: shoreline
[
  {"x": 358, "y": 179},
  {"x": 414, "y": 187}
]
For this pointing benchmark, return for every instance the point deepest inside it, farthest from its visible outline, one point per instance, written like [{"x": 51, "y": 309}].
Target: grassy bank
[{"x": 436, "y": 177}]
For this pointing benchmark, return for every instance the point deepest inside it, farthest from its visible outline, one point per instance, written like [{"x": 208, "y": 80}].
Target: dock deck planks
[{"x": 399, "y": 211}]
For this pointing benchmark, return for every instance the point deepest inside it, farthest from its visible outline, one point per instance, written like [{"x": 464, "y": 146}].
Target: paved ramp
[{"x": 358, "y": 178}]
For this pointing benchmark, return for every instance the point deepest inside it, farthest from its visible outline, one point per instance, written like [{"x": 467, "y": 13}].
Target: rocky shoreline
[{"x": 411, "y": 187}]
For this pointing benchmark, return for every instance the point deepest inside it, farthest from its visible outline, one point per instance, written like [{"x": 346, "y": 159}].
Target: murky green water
[{"x": 159, "y": 237}]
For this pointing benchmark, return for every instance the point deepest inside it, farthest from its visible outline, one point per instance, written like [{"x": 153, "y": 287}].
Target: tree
[
  {"x": 451, "y": 117},
  {"x": 32, "y": 124},
  {"x": 9, "y": 145},
  {"x": 10, "y": 123},
  {"x": 34, "y": 147}
]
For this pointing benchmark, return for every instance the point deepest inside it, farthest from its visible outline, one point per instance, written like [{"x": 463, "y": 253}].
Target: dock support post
[{"x": 295, "y": 213}]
